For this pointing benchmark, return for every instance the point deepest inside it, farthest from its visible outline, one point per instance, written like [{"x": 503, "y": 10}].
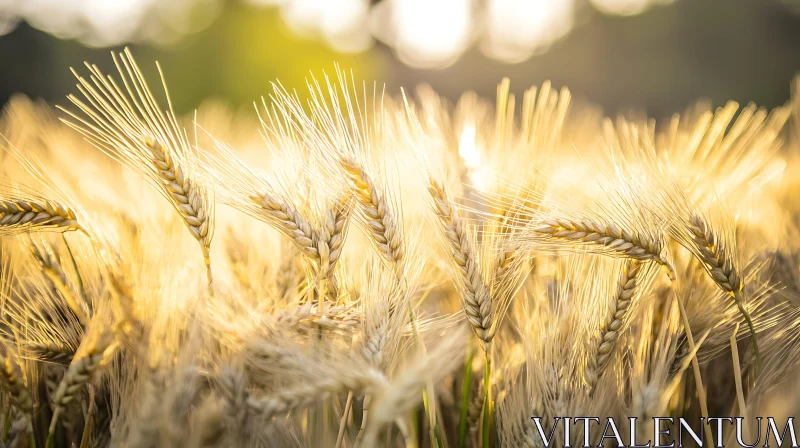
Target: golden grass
[{"x": 393, "y": 224}]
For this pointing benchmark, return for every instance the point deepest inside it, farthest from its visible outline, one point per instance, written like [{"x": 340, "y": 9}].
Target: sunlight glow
[
  {"x": 625, "y": 7},
  {"x": 430, "y": 34},
  {"x": 477, "y": 174},
  {"x": 467, "y": 148},
  {"x": 342, "y": 23},
  {"x": 424, "y": 33},
  {"x": 516, "y": 29}
]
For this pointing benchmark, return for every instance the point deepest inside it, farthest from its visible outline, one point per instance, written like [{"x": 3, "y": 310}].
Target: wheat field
[{"x": 351, "y": 267}]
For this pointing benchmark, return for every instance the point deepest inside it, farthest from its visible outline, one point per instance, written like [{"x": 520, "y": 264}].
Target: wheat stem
[
  {"x": 343, "y": 422},
  {"x": 737, "y": 376},
  {"x": 720, "y": 266},
  {"x": 87, "y": 427},
  {"x": 698, "y": 378},
  {"x": 488, "y": 404},
  {"x": 364, "y": 414},
  {"x": 81, "y": 288},
  {"x": 466, "y": 388}
]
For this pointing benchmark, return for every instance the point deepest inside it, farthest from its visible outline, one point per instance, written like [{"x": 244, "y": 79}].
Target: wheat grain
[
  {"x": 612, "y": 238},
  {"x": 477, "y": 302},
  {"x": 11, "y": 378},
  {"x": 35, "y": 215},
  {"x": 190, "y": 200},
  {"x": 51, "y": 351},
  {"x": 381, "y": 221},
  {"x": 290, "y": 222},
  {"x": 618, "y": 314},
  {"x": 716, "y": 260},
  {"x": 129, "y": 127},
  {"x": 291, "y": 398},
  {"x": 20, "y": 426},
  {"x": 720, "y": 264},
  {"x": 78, "y": 374},
  {"x": 50, "y": 265},
  {"x": 233, "y": 388}
]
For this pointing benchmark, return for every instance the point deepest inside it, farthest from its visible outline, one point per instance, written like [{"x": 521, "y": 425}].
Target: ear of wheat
[
  {"x": 385, "y": 228},
  {"x": 632, "y": 284},
  {"x": 11, "y": 377},
  {"x": 51, "y": 267},
  {"x": 126, "y": 124},
  {"x": 718, "y": 260},
  {"x": 477, "y": 302},
  {"x": 51, "y": 352},
  {"x": 607, "y": 237},
  {"x": 30, "y": 214}
]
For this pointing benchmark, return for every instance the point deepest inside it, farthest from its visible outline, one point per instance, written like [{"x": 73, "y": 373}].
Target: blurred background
[{"x": 645, "y": 55}]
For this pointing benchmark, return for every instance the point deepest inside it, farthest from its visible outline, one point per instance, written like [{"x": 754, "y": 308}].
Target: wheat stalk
[
  {"x": 127, "y": 125},
  {"x": 323, "y": 246},
  {"x": 51, "y": 351},
  {"x": 715, "y": 259},
  {"x": 11, "y": 378},
  {"x": 605, "y": 342},
  {"x": 233, "y": 388},
  {"x": 188, "y": 385},
  {"x": 78, "y": 374},
  {"x": 208, "y": 424},
  {"x": 35, "y": 215},
  {"x": 20, "y": 425},
  {"x": 721, "y": 267},
  {"x": 149, "y": 414},
  {"x": 331, "y": 239},
  {"x": 309, "y": 315},
  {"x": 383, "y": 226},
  {"x": 476, "y": 300},
  {"x": 190, "y": 200},
  {"x": 290, "y": 222},
  {"x": 400, "y": 395},
  {"x": 51, "y": 267},
  {"x": 301, "y": 395},
  {"x": 610, "y": 237}
]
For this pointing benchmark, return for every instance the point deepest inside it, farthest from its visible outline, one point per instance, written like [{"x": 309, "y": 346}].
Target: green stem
[
  {"x": 431, "y": 417},
  {"x": 7, "y": 426},
  {"x": 77, "y": 271},
  {"x": 51, "y": 433},
  {"x": 87, "y": 427},
  {"x": 488, "y": 406},
  {"x": 752, "y": 333},
  {"x": 415, "y": 426},
  {"x": 466, "y": 388},
  {"x": 436, "y": 430}
]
